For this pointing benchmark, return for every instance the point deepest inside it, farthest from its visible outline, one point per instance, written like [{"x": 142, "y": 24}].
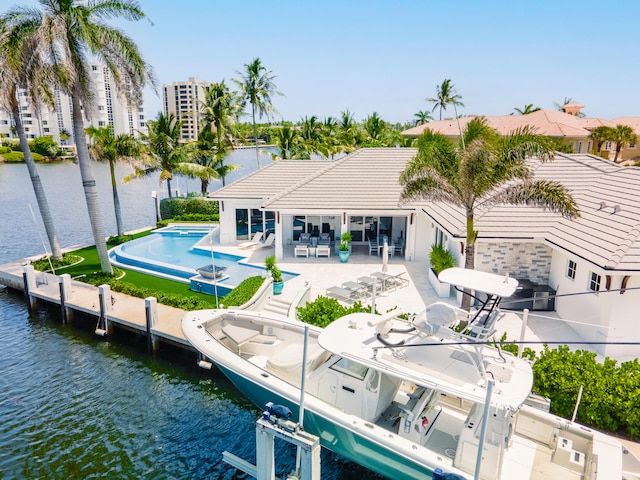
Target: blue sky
[{"x": 388, "y": 57}]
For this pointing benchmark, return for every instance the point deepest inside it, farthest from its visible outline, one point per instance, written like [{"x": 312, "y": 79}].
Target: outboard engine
[{"x": 278, "y": 411}]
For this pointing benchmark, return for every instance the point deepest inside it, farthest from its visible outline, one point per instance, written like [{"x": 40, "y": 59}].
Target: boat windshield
[{"x": 351, "y": 368}]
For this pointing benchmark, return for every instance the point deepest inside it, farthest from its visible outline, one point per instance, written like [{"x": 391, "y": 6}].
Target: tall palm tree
[
  {"x": 21, "y": 67},
  {"x": 600, "y": 135},
  {"x": 347, "y": 132},
  {"x": 310, "y": 138},
  {"x": 73, "y": 33},
  {"x": 528, "y": 108},
  {"x": 108, "y": 147},
  {"x": 445, "y": 95},
  {"x": 219, "y": 111},
  {"x": 623, "y": 136},
  {"x": 422, "y": 117},
  {"x": 165, "y": 153},
  {"x": 257, "y": 87},
  {"x": 490, "y": 170}
]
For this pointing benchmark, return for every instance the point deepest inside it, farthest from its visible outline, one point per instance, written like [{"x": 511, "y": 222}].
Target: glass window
[
  {"x": 385, "y": 228},
  {"x": 270, "y": 223},
  {"x": 313, "y": 225},
  {"x": 298, "y": 226},
  {"x": 594, "y": 282},
  {"x": 256, "y": 221},
  {"x": 439, "y": 237},
  {"x": 242, "y": 224},
  {"x": 355, "y": 227},
  {"x": 370, "y": 228},
  {"x": 571, "y": 269}
]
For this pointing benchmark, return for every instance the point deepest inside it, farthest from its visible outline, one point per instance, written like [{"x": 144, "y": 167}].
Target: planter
[
  {"x": 277, "y": 287},
  {"x": 343, "y": 255},
  {"x": 443, "y": 290}
]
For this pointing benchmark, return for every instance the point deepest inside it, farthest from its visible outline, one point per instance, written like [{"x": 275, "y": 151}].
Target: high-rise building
[
  {"x": 109, "y": 108},
  {"x": 183, "y": 100}
]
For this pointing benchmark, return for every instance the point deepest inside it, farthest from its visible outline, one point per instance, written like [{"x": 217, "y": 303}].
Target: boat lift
[{"x": 269, "y": 427}]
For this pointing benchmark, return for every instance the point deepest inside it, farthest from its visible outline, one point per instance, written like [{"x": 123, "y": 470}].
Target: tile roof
[
  {"x": 633, "y": 122},
  {"x": 364, "y": 180},
  {"x": 552, "y": 123},
  {"x": 270, "y": 180},
  {"x": 367, "y": 180}
]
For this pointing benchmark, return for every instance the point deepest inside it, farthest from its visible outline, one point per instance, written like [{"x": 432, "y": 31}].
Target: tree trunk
[
  {"x": 204, "y": 184},
  {"x": 116, "y": 200},
  {"x": 169, "y": 186},
  {"x": 38, "y": 189},
  {"x": 618, "y": 148},
  {"x": 469, "y": 255},
  {"x": 89, "y": 185},
  {"x": 255, "y": 133}
]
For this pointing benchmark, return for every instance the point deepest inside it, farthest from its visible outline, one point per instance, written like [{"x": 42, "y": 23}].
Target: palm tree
[
  {"x": 107, "y": 147},
  {"x": 219, "y": 111},
  {"x": 446, "y": 95},
  {"x": 375, "y": 128},
  {"x": 422, "y": 117},
  {"x": 529, "y": 108},
  {"x": 623, "y": 136},
  {"x": 347, "y": 132},
  {"x": 559, "y": 106},
  {"x": 310, "y": 138},
  {"x": 257, "y": 87},
  {"x": 18, "y": 42},
  {"x": 73, "y": 32},
  {"x": 165, "y": 153},
  {"x": 600, "y": 135},
  {"x": 207, "y": 154},
  {"x": 490, "y": 170},
  {"x": 64, "y": 136},
  {"x": 286, "y": 139}
]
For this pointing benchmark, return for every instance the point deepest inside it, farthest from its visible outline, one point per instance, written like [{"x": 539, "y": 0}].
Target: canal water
[{"x": 74, "y": 406}]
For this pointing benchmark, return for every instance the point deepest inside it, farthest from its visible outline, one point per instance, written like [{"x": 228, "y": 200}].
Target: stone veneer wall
[{"x": 521, "y": 260}]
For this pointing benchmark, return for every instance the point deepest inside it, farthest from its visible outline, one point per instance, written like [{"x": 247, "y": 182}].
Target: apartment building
[
  {"x": 183, "y": 100},
  {"x": 108, "y": 109}
]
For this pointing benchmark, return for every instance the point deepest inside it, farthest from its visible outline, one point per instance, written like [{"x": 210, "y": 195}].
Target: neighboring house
[
  {"x": 631, "y": 152},
  {"x": 360, "y": 193},
  {"x": 570, "y": 127}
]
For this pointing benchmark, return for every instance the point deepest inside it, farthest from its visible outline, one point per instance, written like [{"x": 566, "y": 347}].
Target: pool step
[{"x": 277, "y": 305}]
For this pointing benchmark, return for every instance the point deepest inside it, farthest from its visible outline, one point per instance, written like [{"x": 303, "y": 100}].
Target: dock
[{"x": 159, "y": 323}]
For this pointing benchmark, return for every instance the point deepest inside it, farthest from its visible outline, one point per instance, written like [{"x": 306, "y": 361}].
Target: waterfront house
[{"x": 360, "y": 193}]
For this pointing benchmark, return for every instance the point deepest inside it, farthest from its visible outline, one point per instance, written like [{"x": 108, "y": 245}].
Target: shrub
[
  {"x": 45, "y": 145},
  {"x": 42, "y": 264},
  {"x": 243, "y": 292},
  {"x": 4, "y": 150},
  {"x": 440, "y": 258},
  {"x": 16, "y": 157},
  {"x": 324, "y": 310},
  {"x": 173, "y": 207},
  {"x": 197, "y": 217}
]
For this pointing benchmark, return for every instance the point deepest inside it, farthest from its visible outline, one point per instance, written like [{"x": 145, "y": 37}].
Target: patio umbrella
[{"x": 385, "y": 255}]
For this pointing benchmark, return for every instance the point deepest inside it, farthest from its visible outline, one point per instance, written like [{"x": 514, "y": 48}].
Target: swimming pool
[{"x": 173, "y": 253}]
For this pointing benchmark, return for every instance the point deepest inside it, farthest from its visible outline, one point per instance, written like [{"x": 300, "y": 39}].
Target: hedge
[
  {"x": 173, "y": 207},
  {"x": 16, "y": 157},
  {"x": 4, "y": 150}
]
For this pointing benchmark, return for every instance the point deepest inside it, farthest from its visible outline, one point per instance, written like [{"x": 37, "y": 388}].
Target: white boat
[{"x": 407, "y": 397}]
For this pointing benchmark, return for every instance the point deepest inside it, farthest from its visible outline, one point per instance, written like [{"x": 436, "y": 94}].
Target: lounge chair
[
  {"x": 254, "y": 241},
  {"x": 323, "y": 251},
  {"x": 301, "y": 251},
  {"x": 341, "y": 294},
  {"x": 267, "y": 243}
]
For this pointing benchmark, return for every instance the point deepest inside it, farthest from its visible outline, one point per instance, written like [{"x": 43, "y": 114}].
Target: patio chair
[
  {"x": 305, "y": 239},
  {"x": 323, "y": 251},
  {"x": 267, "y": 243},
  {"x": 398, "y": 246},
  {"x": 254, "y": 241},
  {"x": 301, "y": 251},
  {"x": 324, "y": 239},
  {"x": 373, "y": 247}
]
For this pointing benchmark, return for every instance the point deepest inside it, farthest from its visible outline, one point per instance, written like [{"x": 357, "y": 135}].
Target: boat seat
[
  {"x": 287, "y": 363},
  {"x": 239, "y": 335}
]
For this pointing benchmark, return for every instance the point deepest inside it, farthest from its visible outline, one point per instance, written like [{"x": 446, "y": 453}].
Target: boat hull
[{"x": 333, "y": 436}]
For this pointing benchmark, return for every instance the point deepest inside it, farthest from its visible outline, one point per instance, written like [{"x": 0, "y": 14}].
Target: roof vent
[
  {"x": 602, "y": 205},
  {"x": 617, "y": 209}
]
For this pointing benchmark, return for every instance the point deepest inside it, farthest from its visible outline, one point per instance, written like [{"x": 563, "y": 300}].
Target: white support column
[
  {"x": 151, "y": 313},
  {"x": 64, "y": 281},
  {"x": 265, "y": 461},
  {"x": 29, "y": 281}
]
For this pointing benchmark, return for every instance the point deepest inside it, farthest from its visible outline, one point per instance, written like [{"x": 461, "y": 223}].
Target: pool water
[{"x": 173, "y": 253}]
